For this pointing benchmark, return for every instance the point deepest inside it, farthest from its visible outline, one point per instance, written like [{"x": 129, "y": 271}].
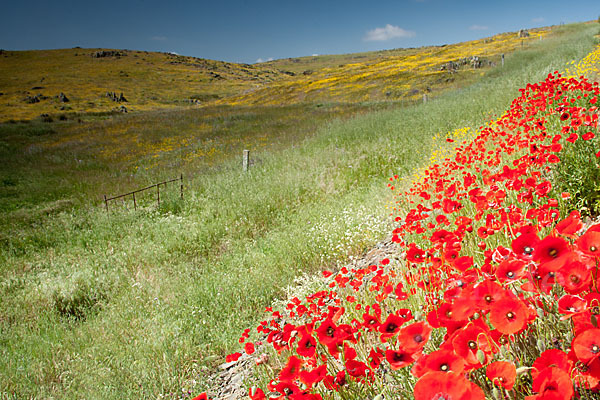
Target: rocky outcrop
[
  {"x": 116, "y": 98},
  {"x": 107, "y": 53}
]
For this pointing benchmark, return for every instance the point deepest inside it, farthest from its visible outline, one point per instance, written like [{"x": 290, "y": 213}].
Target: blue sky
[{"x": 249, "y": 31}]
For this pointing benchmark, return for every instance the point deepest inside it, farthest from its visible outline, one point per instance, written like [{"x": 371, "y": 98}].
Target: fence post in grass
[
  {"x": 134, "y": 203},
  {"x": 424, "y": 98},
  {"x": 106, "y": 203},
  {"x": 181, "y": 188},
  {"x": 503, "y": 60},
  {"x": 246, "y": 160},
  {"x": 158, "y": 194}
]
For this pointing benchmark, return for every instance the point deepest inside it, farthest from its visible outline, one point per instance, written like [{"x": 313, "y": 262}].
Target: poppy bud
[
  {"x": 481, "y": 356},
  {"x": 496, "y": 394},
  {"x": 541, "y": 345}
]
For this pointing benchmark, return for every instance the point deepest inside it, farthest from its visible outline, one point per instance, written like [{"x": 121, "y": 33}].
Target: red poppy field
[{"x": 496, "y": 294}]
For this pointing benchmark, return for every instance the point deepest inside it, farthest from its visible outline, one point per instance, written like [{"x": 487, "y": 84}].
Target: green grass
[{"x": 136, "y": 304}]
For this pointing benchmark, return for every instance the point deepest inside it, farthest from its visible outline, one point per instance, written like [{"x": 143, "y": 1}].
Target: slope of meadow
[
  {"x": 496, "y": 294},
  {"x": 142, "y": 304}
]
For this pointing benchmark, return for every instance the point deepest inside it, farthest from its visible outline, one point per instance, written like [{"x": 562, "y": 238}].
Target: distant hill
[
  {"x": 400, "y": 74},
  {"x": 32, "y": 81},
  {"x": 77, "y": 81}
]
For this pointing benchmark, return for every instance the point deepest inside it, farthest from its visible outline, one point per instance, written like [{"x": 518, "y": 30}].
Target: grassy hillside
[
  {"x": 140, "y": 304},
  {"x": 147, "y": 80},
  {"x": 92, "y": 80},
  {"x": 403, "y": 74}
]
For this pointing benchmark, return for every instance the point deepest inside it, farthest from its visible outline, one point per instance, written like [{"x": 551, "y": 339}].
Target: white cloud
[
  {"x": 260, "y": 60},
  {"x": 159, "y": 38},
  {"x": 387, "y": 33},
  {"x": 478, "y": 28},
  {"x": 538, "y": 19}
]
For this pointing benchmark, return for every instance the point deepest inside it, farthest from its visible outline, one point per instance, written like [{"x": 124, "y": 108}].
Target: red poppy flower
[
  {"x": 314, "y": 376},
  {"x": 390, "y": 326},
  {"x": 524, "y": 246},
  {"x": 570, "y": 225},
  {"x": 414, "y": 254},
  {"x": 487, "y": 293},
  {"x": 450, "y": 206},
  {"x": 463, "y": 263},
  {"x": 582, "y": 322},
  {"x": 335, "y": 382},
  {"x": 256, "y": 394},
  {"x": 550, "y": 358},
  {"x": 585, "y": 375},
  {"x": 202, "y": 396},
  {"x": 413, "y": 337},
  {"x": 589, "y": 243},
  {"x": 570, "y": 304},
  {"x": 586, "y": 345},
  {"x": 233, "y": 357},
  {"x": 550, "y": 251},
  {"x": 442, "y": 360},
  {"x": 249, "y": 348},
  {"x": 399, "y": 358},
  {"x": 502, "y": 373},
  {"x": 553, "y": 383},
  {"x": 543, "y": 188},
  {"x": 307, "y": 346},
  {"x": 510, "y": 270},
  {"x": 370, "y": 321},
  {"x": 508, "y": 315},
  {"x": 287, "y": 389},
  {"x": 464, "y": 306},
  {"x": 442, "y": 316},
  {"x": 574, "y": 277},
  {"x": 588, "y": 136},
  {"x": 442, "y": 385},
  {"x": 483, "y": 232},
  {"x": 326, "y": 332},
  {"x": 375, "y": 357},
  {"x": 290, "y": 372},
  {"x": 469, "y": 340},
  {"x": 356, "y": 368}
]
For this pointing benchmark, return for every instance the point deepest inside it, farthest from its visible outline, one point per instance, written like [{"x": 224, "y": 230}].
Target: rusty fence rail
[{"x": 156, "y": 185}]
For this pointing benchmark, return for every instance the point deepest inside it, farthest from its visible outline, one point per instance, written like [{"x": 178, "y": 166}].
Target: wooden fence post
[
  {"x": 158, "y": 194},
  {"x": 106, "y": 203},
  {"x": 246, "y": 160},
  {"x": 134, "y": 203},
  {"x": 503, "y": 60},
  {"x": 181, "y": 177},
  {"x": 424, "y": 98}
]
